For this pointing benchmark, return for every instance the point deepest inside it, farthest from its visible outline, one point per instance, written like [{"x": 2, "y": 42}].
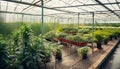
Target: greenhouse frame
[{"x": 36, "y": 34}]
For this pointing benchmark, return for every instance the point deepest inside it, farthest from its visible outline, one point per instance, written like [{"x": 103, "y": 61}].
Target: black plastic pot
[
  {"x": 115, "y": 37},
  {"x": 99, "y": 45},
  {"x": 84, "y": 56},
  {"x": 105, "y": 42},
  {"x": 48, "y": 39},
  {"x": 110, "y": 37},
  {"x": 58, "y": 56}
]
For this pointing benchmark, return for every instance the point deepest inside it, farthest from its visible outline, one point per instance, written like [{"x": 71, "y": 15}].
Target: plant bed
[{"x": 72, "y": 42}]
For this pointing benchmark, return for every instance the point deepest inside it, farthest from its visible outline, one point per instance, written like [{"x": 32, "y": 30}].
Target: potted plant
[
  {"x": 58, "y": 55},
  {"x": 50, "y": 35},
  {"x": 106, "y": 41},
  {"x": 98, "y": 39},
  {"x": 83, "y": 52},
  {"x": 105, "y": 37},
  {"x": 56, "y": 50}
]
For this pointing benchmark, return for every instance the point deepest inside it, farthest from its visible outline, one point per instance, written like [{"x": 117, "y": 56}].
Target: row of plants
[
  {"x": 101, "y": 35},
  {"x": 105, "y": 35},
  {"x": 52, "y": 36},
  {"x": 69, "y": 30},
  {"x": 23, "y": 50}
]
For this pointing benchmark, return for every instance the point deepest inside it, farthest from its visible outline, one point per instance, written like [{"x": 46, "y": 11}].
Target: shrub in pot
[
  {"x": 98, "y": 39},
  {"x": 83, "y": 52},
  {"x": 55, "y": 50},
  {"x": 106, "y": 41},
  {"x": 116, "y": 34},
  {"x": 105, "y": 37},
  {"x": 50, "y": 35},
  {"x": 111, "y": 34},
  {"x": 58, "y": 55}
]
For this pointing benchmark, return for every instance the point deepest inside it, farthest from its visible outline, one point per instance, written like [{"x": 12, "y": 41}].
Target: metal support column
[
  {"x": 93, "y": 32},
  {"x": 42, "y": 21},
  {"x": 54, "y": 23},
  {"x": 22, "y": 18},
  {"x": 78, "y": 19},
  {"x": 42, "y": 13},
  {"x": 68, "y": 22}
]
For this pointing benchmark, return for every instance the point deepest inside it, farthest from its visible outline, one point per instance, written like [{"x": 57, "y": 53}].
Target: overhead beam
[
  {"x": 86, "y": 5},
  {"x": 59, "y": 9},
  {"x": 107, "y": 8},
  {"x": 19, "y": 13},
  {"x": 82, "y": 13},
  {"x": 25, "y": 3}
]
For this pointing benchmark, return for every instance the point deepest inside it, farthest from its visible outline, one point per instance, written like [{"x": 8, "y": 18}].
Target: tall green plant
[{"x": 3, "y": 53}]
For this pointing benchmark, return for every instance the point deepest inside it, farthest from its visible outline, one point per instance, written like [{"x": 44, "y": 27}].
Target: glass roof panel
[
  {"x": 66, "y": 6},
  {"x": 113, "y": 7}
]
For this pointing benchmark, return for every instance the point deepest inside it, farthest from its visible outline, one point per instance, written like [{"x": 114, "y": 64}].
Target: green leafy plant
[
  {"x": 3, "y": 53},
  {"x": 32, "y": 50},
  {"x": 50, "y": 35},
  {"x": 69, "y": 30},
  {"x": 70, "y": 37},
  {"x": 58, "y": 54},
  {"x": 78, "y": 38},
  {"x": 56, "y": 50},
  {"x": 105, "y": 37},
  {"x": 88, "y": 37},
  {"x": 83, "y": 51},
  {"x": 98, "y": 39},
  {"x": 61, "y": 35}
]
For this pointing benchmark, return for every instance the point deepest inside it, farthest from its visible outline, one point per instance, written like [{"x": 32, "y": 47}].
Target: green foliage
[
  {"x": 70, "y": 37},
  {"x": 31, "y": 51},
  {"x": 69, "y": 30},
  {"x": 84, "y": 30},
  {"x": 3, "y": 52},
  {"x": 98, "y": 36},
  {"x": 82, "y": 51},
  {"x": 76, "y": 38},
  {"x": 55, "y": 49},
  {"x": 61, "y": 35},
  {"x": 50, "y": 35},
  {"x": 88, "y": 37}
]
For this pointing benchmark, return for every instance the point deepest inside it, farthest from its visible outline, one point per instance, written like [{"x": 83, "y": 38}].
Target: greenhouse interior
[{"x": 59, "y": 34}]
